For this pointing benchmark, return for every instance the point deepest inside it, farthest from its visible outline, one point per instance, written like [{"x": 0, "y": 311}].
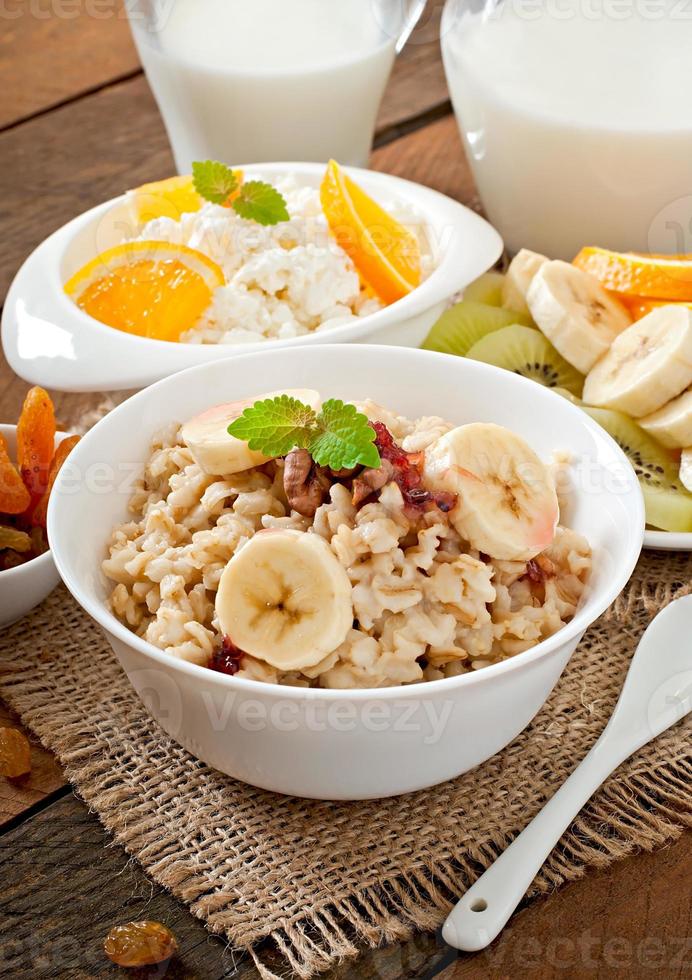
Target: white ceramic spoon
[{"x": 657, "y": 694}]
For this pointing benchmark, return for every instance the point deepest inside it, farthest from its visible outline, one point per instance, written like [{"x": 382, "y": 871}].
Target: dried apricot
[
  {"x": 10, "y": 537},
  {"x": 140, "y": 944},
  {"x": 15, "y": 753},
  {"x": 14, "y": 496},
  {"x": 36, "y": 441},
  {"x": 61, "y": 454}
]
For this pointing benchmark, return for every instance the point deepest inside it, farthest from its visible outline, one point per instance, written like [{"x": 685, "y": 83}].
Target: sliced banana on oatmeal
[
  {"x": 577, "y": 315},
  {"x": 221, "y": 454},
  {"x": 285, "y": 599},
  {"x": 507, "y": 505},
  {"x": 648, "y": 365}
]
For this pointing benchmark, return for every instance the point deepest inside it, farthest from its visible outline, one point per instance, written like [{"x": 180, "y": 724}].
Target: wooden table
[{"x": 78, "y": 125}]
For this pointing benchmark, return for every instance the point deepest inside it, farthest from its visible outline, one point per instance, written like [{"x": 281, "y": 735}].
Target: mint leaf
[
  {"x": 346, "y": 438},
  {"x": 261, "y": 202},
  {"x": 275, "y": 426},
  {"x": 339, "y": 437},
  {"x": 213, "y": 181}
]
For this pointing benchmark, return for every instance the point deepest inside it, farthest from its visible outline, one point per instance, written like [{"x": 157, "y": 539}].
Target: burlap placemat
[{"x": 324, "y": 879}]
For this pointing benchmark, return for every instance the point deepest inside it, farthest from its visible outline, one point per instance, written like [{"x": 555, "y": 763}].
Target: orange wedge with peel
[
  {"x": 663, "y": 277},
  {"x": 385, "y": 253},
  {"x": 151, "y": 289},
  {"x": 168, "y": 198}
]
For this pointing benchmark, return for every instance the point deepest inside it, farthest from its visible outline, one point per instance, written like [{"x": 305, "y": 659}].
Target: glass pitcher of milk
[
  {"x": 259, "y": 80},
  {"x": 577, "y": 119}
]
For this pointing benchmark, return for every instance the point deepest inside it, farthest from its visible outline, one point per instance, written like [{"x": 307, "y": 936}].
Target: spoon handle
[{"x": 486, "y": 907}]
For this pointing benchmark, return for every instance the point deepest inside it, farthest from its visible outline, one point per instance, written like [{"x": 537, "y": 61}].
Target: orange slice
[
  {"x": 168, "y": 198},
  {"x": 152, "y": 289},
  {"x": 164, "y": 199},
  {"x": 639, "y": 306},
  {"x": 386, "y": 255},
  {"x": 666, "y": 277}
]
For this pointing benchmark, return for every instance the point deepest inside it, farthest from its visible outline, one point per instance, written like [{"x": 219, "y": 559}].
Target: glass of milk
[
  {"x": 246, "y": 81},
  {"x": 577, "y": 119}
]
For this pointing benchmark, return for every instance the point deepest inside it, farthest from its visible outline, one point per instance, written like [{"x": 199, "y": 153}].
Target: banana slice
[
  {"x": 577, "y": 315},
  {"x": 686, "y": 469},
  {"x": 285, "y": 599},
  {"x": 672, "y": 424},
  {"x": 519, "y": 277},
  {"x": 648, "y": 365},
  {"x": 219, "y": 454},
  {"x": 507, "y": 506}
]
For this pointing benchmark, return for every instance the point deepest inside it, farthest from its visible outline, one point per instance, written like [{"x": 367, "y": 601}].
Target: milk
[
  {"x": 577, "y": 122},
  {"x": 262, "y": 80}
]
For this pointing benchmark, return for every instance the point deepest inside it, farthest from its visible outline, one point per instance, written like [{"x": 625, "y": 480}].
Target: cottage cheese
[{"x": 282, "y": 281}]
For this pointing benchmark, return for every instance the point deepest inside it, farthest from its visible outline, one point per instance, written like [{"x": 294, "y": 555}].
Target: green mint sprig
[
  {"x": 339, "y": 436},
  {"x": 255, "y": 200}
]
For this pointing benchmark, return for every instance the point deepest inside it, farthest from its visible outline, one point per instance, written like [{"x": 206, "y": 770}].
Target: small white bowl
[
  {"x": 49, "y": 341},
  {"x": 27, "y": 585},
  {"x": 348, "y": 744}
]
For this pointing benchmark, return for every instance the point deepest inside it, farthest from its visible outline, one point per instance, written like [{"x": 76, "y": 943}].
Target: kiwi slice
[
  {"x": 668, "y": 503},
  {"x": 527, "y": 352},
  {"x": 460, "y": 327},
  {"x": 486, "y": 289}
]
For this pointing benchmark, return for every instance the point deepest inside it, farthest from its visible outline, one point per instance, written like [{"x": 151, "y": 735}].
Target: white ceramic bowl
[
  {"x": 350, "y": 744},
  {"x": 27, "y": 585},
  {"x": 49, "y": 341}
]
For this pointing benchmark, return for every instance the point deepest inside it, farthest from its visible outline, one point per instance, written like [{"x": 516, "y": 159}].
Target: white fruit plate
[
  {"x": 49, "y": 341},
  {"x": 667, "y": 540}
]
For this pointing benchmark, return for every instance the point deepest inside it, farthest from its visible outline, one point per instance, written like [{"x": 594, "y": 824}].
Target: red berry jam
[
  {"x": 227, "y": 658},
  {"x": 408, "y": 475}
]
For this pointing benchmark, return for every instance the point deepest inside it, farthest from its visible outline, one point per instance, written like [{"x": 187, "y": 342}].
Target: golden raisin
[
  {"x": 10, "y": 537},
  {"x": 36, "y": 441},
  {"x": 14, "y": 496},
  {"x": 140, "y": 944},
  {"x": 61, "y": 454},
  {"x": 15, "y": 753}
]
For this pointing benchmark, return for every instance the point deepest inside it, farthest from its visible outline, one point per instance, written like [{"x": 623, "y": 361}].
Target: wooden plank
[
  {"x": 53, "y": 51},
  {"x": 434, "y": 156},
  {"x": 97, "y": 148},
  {"x": 63, "y": 889},
  {"x": 46, "y": 776},
  {"x": 418, "y": 85}
]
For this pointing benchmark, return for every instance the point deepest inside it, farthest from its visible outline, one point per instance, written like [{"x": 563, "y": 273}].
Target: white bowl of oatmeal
[
  {"x": 276, "y": 294},
  {"x": 448, "y": 651}
]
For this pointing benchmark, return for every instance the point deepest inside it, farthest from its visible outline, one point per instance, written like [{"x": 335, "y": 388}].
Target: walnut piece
[
  {"x": 370, "y": 481},
  {"x": 305, "y": 484}
]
